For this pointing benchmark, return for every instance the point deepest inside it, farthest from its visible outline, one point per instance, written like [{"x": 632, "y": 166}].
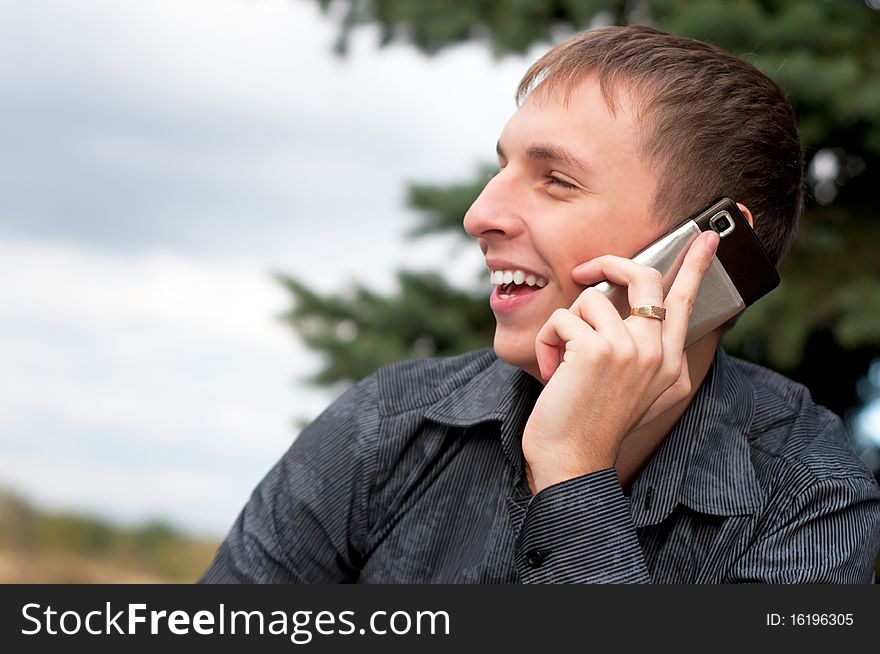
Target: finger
[
  {"x": 679, "y": 390},
  {"x": 562, "y": 329},
  {"x": 679, "y": 301},
  {"x": 599, "y": 313},
  {"x": 644, "y": 287},
  {"x": 644, "y": 284}
]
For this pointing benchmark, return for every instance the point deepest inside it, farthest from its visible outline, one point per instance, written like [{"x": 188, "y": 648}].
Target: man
[{"x": 586, "y": 447}]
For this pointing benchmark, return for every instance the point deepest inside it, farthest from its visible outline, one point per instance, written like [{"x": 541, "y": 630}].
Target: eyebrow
[{"x": 549, "y": 152}]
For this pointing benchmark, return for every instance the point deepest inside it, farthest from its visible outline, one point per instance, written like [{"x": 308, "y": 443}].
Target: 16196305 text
[{"x": 809, "y": 620}]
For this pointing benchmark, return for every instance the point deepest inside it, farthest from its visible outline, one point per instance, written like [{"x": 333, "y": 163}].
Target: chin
[{"x": 517, "y": 350}]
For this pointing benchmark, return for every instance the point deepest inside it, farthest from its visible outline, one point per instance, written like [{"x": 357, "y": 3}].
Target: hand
[{"x": 605, "y": 376}]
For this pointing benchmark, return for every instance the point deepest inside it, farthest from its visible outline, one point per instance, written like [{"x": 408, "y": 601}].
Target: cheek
[
  {"x": 566, "y": 297},
  {"x": 566, "y": 290}
]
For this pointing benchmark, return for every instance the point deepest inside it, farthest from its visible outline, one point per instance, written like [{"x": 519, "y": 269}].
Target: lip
[{"x": 504, "y": 306}]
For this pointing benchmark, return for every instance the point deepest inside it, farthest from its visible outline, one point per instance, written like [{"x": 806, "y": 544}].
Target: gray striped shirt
[{"x": 415, "y": 475}]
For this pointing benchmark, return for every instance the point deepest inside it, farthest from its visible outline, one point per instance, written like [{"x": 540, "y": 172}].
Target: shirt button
[{"x": 535, "y": 557}]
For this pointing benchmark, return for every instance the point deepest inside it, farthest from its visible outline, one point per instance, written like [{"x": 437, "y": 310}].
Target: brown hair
[{"x": 712, "y": 124}]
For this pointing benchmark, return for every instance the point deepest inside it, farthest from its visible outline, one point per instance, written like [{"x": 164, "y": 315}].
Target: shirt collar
[
  {"x": 704, "y": 463},
  {"x": 500, "y": 392}
]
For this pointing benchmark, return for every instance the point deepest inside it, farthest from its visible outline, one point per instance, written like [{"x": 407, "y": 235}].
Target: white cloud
[
  {"x": 122, "y": 369},
  {"x": 231, "y": 113}
]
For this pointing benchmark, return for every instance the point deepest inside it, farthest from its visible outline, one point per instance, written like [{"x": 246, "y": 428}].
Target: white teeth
[{"x": 498, "y": 277}]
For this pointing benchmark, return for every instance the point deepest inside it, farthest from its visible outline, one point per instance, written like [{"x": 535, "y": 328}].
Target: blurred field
[{"x": 42, "y": 547}]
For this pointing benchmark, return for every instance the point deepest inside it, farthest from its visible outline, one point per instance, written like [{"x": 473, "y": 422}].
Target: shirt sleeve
[
  {"x": 580, "y": 531},
  {"x": 306, "y": 521},
  {"x": 827, "y": 534}
]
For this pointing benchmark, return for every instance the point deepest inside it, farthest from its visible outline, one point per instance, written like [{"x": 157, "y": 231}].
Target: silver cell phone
[{"x": 740, "y": 273}]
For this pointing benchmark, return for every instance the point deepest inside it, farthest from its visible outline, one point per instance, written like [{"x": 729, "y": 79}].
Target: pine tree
[{"x": 822, "y": 326}]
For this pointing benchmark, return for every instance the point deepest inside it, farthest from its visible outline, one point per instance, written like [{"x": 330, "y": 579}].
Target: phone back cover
[{"x": 718, "y": 299}]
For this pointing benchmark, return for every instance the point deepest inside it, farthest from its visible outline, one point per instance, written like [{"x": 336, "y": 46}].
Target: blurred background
[{"x": 217, "y": 214}]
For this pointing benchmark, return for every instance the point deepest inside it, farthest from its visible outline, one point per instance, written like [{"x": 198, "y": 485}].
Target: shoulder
[
  {"x": 375, "y": 419},
  {"x": 792, "y": 437},
  {"x": 412, "y": 383},
  {"x": 417, "y": 383},
  {"x": 406, "y": 389}
]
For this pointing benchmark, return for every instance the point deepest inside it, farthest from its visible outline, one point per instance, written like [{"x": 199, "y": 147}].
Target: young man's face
[{"x": 571, "y": 187}]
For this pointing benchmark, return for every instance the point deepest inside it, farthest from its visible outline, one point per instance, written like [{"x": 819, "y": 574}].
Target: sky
[{"x": 160, "y": 161}]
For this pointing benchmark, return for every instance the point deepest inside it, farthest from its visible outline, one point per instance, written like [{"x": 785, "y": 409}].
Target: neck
[{"x": 638, "y": 448}]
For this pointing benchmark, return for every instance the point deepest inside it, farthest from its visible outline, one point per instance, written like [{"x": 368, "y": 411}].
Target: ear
[{"x": 746, "y": 213}]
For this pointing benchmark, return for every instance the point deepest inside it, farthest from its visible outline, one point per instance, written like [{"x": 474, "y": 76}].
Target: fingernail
[{"x": 712, "y": 242}]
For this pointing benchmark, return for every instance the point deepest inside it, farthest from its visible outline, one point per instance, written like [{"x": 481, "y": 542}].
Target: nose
[{"x": 494, "y": 213}]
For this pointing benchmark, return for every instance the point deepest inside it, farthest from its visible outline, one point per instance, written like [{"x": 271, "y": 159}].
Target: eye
[{"x": 553, "y": 180}]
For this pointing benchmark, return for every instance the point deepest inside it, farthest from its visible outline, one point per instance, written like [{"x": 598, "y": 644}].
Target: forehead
[
  {"x": 581, "y": 122},
  {"x": 579, "y": 117}
]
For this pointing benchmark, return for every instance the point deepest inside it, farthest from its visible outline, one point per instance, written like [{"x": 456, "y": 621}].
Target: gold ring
[{"x": 649, "y": 311}]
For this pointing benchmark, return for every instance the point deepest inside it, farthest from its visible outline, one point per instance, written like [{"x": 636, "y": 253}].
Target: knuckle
[
  {"x": 671, "y": 370},
  {"x": 588, "y": 294},
  {"x": 602, "y": 349},
  {"x": 546, "y": 327},
  {"x": 652, "y": 356},
  {"x": 626, "y": 354},
  {"x": 685, "y": 386},
  {"x": 593, "y": 297},
  {"x": 685, "y": 302},
  {"x": 653, "y": 275}
]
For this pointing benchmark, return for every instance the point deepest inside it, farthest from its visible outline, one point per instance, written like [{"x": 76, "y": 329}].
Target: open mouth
[
  {"x": 511, "y": 283},
  {"x": 512, "y": 290}
]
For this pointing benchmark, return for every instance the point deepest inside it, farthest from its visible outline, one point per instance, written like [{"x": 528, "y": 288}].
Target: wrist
[{"x": 546, "y": 474}]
